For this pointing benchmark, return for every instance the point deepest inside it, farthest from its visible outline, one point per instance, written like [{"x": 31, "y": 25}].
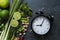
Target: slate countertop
[{"x": 50, "y": 7}]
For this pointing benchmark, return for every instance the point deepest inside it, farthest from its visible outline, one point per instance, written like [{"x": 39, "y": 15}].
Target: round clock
[{"x": 41, "y": 24}]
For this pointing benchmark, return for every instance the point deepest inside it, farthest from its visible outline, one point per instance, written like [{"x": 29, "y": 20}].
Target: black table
[{"x": 50, "y": 7}]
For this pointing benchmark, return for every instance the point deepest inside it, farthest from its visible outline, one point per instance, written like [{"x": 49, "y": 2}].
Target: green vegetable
[
  {"x": 14, "y": 23},
  {"x": 17, "y": 16},
  {"x": 15, "y": 5},
  {"x": 22, "y": 14},
  {"x": 12, "y": 6},
  {"x": 4, "y": 32},
  {"x": 20, "y": 29},
  {"x": 24, "y": 20},
  {"x": 12, "y": 10},
  {"x": 24, "y": 8},
  {"x": 13, "y": 36},
  {"x": 7, "y": 32},
  {"x": 2, "y": 27},
  {"x": 4, "y": 13},
  {"x": 4, "y": 3},
  {"x": 7, "y": 27}
]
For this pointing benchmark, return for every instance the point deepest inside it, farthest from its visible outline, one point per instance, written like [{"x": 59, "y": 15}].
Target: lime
[
  {"x": 4, "y": 13},
  {"x": 4, "y": 3},
  {"x": 14, "y": 23},
  {"x": 17, "y": 16}
]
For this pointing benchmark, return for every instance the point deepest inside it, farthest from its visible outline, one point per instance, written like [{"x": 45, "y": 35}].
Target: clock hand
[
  {"x": 37, "y": 25},
  {"x": 42, "y": 22}
]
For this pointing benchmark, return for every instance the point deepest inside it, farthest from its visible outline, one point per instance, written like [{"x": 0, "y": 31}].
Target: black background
[{"x": 49, "y": 7}]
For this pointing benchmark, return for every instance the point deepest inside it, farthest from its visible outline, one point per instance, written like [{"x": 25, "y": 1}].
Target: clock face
[{"x": 41, "y": 25}]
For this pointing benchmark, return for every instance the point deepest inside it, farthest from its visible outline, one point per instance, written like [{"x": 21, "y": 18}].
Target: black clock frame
[{"x": 49, "y": 17}]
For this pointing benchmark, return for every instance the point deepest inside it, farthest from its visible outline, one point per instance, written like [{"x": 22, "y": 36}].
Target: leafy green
[{"x": 25, "y": 9}]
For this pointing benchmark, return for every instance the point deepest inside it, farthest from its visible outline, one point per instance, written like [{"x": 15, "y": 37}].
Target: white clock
[{"x": 41, "y": 25}]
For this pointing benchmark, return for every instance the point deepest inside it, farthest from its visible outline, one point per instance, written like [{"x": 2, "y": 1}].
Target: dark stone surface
[{"x": 49, "y": 7}]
